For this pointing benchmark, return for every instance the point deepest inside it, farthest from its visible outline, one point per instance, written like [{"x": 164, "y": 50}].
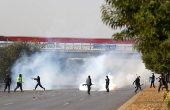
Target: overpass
[{"x": 78, "y": 47}]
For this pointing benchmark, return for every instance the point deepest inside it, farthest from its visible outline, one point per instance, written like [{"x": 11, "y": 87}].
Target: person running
[
  {"x": 137, "y": 83},
  {"x": 7, "y": 81},
  {"x": 19, "y": 83},
  {"x": 152, "y": 80},
  {"x": 107, "y": 83},
  {"x": 162, "y": 82},
  {"x": 88, "y": 82},
  {"x": 38, "y": 83}
]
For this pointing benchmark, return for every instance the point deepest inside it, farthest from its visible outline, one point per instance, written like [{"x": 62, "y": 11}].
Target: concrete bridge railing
[{"x": 80, "y": 47}]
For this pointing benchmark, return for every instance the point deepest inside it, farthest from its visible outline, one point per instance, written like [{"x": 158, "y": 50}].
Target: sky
[{"x": 53, "y": 18}]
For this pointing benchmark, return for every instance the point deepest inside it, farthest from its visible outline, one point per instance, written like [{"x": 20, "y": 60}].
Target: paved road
[{"x": 66, "y": 99}]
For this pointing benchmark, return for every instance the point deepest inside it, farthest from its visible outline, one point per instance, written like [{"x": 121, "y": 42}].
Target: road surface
[{"x": 65, "y": 99}]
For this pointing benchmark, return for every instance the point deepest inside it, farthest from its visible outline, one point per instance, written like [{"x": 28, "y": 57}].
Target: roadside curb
[{"x": 126, "y": 104}]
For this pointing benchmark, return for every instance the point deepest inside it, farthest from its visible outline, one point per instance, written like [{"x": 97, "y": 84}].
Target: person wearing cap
[
  {"x": 88, "y": 82},
  {"x": 7, "y": 81},
  {"x": 137, "y": 83},
  {"x": 152, "y": 80},
  {"x": 107, "y": 83},
  {"x": 19, "y": 83}
]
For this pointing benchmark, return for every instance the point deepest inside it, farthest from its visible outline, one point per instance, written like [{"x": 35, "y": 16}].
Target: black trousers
[
  {"x": 107, "y": 87},
  {"x": 165, "y": 86},
  {"x": 137, "y": 86},
  {"x": 88, "y": 89},
  {"x": 152, "y": 84},
  {"x": 38, "y": 84},
  {"x": 7, "y": 86},
  {"x": 19, "y": 85}
]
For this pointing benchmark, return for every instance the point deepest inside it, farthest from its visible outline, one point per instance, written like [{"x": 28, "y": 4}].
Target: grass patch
[{"x": 149, "y": 99}]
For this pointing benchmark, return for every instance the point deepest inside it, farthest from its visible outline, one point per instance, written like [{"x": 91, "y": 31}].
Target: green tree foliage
[
  {"x": 10, "y": 53},
  {"x": 146, "y": 22}
]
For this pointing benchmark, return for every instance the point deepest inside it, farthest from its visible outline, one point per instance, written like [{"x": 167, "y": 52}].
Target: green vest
[{"x": 19, "y": 79}]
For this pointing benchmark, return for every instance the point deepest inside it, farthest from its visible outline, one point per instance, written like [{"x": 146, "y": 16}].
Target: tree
[
  {"x": 12, "y": 52},
  {"x": 146, "y": 22}
]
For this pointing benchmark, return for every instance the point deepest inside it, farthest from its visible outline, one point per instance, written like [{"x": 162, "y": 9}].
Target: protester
[
  {"x": 7, "y": 81},
  {"x": 137, "y": 83},
  {"x": 152, "y": 80},
  {"x": 38, "y": 83},
  {"x": 162, "y": 82},
  {"x": 107, "y": 83},
  {"x": 88, "y": 82}
]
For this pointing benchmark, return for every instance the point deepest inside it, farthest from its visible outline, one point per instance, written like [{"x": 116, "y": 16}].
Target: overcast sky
[{"x": 53, "y": 18}]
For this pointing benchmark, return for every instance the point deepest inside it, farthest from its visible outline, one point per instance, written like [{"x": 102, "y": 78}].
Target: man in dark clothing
[
  {"x": 152, "y": 80},
  {"x": 162, "y": 82},
  {"x": 7, "y": 81},
  {"x": 137, "y": 83},
  {"x": 38, "y": 83},
  {"x": 19, "y": 83},
  {"x": 107, "y": 83},
  {"x": 88, "y": 82}
]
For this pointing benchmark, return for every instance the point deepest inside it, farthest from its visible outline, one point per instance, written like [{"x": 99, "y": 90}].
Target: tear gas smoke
[{"x": 55, "y": 72}]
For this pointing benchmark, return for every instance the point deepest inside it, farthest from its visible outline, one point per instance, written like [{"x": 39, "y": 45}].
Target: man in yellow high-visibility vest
[{"x": 19, "y": 83}]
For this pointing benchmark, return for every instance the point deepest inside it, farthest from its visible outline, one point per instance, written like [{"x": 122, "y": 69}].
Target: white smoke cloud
[{"x": 55, "y": 72}]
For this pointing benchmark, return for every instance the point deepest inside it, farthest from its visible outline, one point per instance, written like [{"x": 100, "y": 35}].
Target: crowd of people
[
  {"x": 7, "y": 81},
  {"x": 161, "y": 79}
]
